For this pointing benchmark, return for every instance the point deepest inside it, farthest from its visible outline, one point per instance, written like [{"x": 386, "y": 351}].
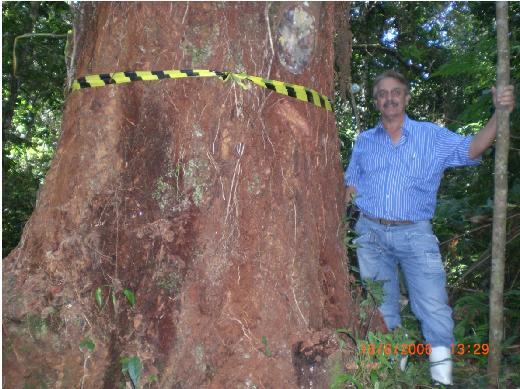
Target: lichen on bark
[{"x": 295, "y": 38}]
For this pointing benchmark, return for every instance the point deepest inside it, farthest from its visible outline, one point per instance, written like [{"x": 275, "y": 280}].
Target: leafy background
[
  {"x": 31, "y": 106},
  {"x": 448, "y": 52}
]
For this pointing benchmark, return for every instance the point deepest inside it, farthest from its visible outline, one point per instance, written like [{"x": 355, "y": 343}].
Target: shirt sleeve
[
  {"x": 453, "y": 149},
  {"x": 351, "y": 177}
]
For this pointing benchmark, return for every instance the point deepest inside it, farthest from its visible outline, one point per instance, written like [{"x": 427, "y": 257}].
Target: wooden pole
[{"x": 496, "y": 323}]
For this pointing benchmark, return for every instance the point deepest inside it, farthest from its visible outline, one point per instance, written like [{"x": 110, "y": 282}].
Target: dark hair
[{"x": 391, "y": 74}]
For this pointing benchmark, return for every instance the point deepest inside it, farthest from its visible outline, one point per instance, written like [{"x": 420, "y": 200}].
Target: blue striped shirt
[{"x": 400, "y": 182}]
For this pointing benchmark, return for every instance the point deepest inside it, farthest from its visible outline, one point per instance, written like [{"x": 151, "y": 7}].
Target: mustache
[{"x": 390, "y": 103}]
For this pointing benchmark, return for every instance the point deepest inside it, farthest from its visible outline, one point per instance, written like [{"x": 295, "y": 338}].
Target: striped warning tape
[{"x": 297, "y": 91}]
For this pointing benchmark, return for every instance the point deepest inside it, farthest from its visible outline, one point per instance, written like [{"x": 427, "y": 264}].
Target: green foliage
[
  {"x": 100, "y": 300},
  {"x": 374, "y": 298},
  {"x": 36, "y": 325},
  {"x": 152, "y": 378},
  {"x": 375, "y": 289},
  {"x": 339, "y": 381},
  {"x": 99, "y": 297},
  {"x": 448, "y": 52},
  {"x": 375, "y": 363},
  {"x": 267, "y": 350},
  {"x": 132, "y": 367},
  {"x": 31, "y": 106},
  {"x": 130, "y": 296},
  {"x": 472, "y": 328},
  {"x": 87, "y": 344}
]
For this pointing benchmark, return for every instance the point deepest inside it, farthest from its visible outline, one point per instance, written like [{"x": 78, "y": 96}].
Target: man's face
[{"x": 391, "y": 98}]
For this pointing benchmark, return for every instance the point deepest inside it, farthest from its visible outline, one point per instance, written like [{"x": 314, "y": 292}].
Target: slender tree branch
[
  {"x": 29, "y": 35},
  {"x": 354, "y": 108},
  {"x": 473, "y": 230},
  {"x": 496, "y": 292},
  {"x": 482, "y": 261},
  {"x": 14, "y": 83},
  {"x": 388, "y": 50}
]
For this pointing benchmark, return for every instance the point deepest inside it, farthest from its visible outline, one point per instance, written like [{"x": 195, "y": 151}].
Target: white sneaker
[
  {"x": 403, "y": 360},
  {"x": 441, "y": 365}
]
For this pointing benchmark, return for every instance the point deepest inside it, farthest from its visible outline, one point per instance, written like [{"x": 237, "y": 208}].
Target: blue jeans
[{"x": 413, "y": 247}]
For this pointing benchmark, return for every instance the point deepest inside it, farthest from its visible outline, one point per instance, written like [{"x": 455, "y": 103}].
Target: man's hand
[
  {"x": 349, "y": 194},
  {"x": 502, "y": 100},
  {"x": 505, "y": 99}
]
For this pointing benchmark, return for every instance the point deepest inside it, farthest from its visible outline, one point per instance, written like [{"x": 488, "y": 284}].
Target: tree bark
[
  {"x": 496, "y": 297},
  {"x": 219, "y": 208}
]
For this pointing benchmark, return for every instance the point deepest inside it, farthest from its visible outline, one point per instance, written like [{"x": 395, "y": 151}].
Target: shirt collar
[{"x": 405, "y": 127}]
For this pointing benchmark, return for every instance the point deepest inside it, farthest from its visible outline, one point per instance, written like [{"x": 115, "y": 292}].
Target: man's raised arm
[{"x": 505, "y": 100}]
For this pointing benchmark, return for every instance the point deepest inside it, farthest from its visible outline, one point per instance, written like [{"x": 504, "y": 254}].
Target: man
[{"x": 394, "y": 173}]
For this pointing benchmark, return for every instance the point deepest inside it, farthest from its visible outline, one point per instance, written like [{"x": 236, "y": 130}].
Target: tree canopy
[{"x": 32, "y": 100}]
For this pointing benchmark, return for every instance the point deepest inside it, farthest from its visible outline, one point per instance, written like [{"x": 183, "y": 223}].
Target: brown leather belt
[{"x": 387, "y": 222}]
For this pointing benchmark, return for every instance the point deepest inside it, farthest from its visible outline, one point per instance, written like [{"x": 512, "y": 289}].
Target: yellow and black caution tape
[{"x": 297, "y": 91}]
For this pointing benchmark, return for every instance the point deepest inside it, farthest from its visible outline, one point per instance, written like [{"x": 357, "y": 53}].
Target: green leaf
[
  {"x": 374, "y": 378},
  {"x": 341, "y": 379},
  {"x": 99, "y": 297},
  {"x": 134, "y": 367},
  {"x": 88, "y": 344},
  {"x": 267, "y": 350},
  {"x": 152, "y": 378},
  {"x": 343, "y": 331},
  {"x": 124, "y": 364},
  {"x": 129, "y": 296}
]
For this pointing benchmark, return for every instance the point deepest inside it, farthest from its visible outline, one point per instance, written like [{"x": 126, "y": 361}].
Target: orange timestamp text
[
  {"x": 396, "y": 349},
  {"x": 421, "y": 348},
  {"x": 472, "y": 349}
]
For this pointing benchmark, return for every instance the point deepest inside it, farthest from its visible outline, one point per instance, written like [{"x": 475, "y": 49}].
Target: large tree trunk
[{"x": 218, "y": 207}]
